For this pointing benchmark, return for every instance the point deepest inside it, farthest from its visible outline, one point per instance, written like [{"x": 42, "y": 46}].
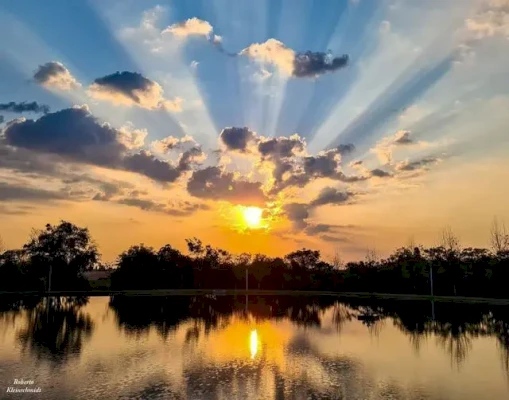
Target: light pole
[
  {"x": 431, "y": 287},
  {"x": 247, "y": 277},
  {"x": 431, "y": 279},
  {"x": 49, "y": 278}
]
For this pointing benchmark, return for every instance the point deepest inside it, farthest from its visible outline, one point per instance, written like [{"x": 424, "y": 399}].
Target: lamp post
[
  {"x": 247, "y": 280},
  {"x": 431, "y": 288},
  {"x": 49, "y": 278},
  {"x": 431, "y": 279}
]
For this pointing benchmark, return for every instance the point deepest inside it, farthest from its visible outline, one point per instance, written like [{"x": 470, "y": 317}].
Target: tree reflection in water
[
  {"x": 454, "y": 325},
  {"x": 55, "y": 328}
]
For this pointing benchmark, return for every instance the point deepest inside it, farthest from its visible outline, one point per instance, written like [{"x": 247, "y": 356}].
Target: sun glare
[
  {"x": 252, "y": 216},
  {"x": 253, "y": 343}
]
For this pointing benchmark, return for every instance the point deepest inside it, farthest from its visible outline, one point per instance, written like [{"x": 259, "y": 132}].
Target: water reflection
[
  {"x": 253, "y": 343},
  {"x": 261, "y": 347},
  {"x": 54, "y": 329}
]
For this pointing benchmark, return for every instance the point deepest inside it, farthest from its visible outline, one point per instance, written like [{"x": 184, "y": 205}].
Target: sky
[{"x": 256, "y": 126}]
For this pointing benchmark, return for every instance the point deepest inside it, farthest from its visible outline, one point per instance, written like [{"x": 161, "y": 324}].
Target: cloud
[
  {"x": 75, "y": 134},
  {"x": 417, "y": 164},
  {"x": 9, "y": 192},
  {"x": 171, "y": 143},
  {"x": 191, "y": 27},
  {"x": 146, "y": 164},
  {"x": 491, "y": 20},
  {"x": 318, "y": 228},
  {"x": 286, "y": 156},
  {"x": 330, "y": 195},
  {"x": 402, "y": 137},
  {"x": 333, "y": 239},
  {"x": 384, "y": 148},
  {"x": 188, "y": 158},
  {"x": 237, "y": 139},
  {"x": 24, "y": 107},
  {"x": 345, "y": 149},
  {"x": 216, "y": 184},
  {"x": 298, "y": 65},
  {"x": 130, "y": 137},
  {"x": 380, "y": 173},
  {"x": 181, "y": 209},
  {"x": 131, "y": 88},
  {"x": 2, "y": 119},
  {"x": 297, "y": 213},
  {"x": 281, "y": 147},
  {"x": 54, "y": 74}
]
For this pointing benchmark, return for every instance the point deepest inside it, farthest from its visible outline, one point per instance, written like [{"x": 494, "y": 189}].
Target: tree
[
  {"x": 63, "y": 251},
  {"x": 499, "y": 237},
  {"x": 138, "y": 268},
  {"x": 337, "y": 260},
  {"x": 303, "y": 259}
]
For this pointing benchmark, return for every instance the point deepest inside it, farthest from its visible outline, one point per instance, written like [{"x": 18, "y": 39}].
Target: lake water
[{"x": 266, "y": 348}]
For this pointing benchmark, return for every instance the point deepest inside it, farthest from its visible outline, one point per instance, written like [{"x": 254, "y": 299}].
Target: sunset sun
[{"x": 252, "y": 216}]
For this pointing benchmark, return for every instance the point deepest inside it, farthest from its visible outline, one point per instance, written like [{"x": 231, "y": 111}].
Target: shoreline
[{"x": 233, "y": 292}]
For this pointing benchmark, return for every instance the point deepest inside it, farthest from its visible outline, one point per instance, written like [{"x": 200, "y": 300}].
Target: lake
[{"x": 261, "y": 347}]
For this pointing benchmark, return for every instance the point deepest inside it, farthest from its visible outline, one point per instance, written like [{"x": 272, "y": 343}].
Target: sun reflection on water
[{"x": 253, "y": 343}]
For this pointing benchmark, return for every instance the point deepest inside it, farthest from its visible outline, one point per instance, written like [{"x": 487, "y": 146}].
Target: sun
[{"x": 252, "y": 216}]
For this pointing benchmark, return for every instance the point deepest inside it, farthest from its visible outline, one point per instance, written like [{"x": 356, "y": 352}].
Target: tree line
[{"x": 58, "y": 256}]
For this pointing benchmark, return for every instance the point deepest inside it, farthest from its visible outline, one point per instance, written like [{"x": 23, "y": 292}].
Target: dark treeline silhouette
[{"x": 61, "y": 255}]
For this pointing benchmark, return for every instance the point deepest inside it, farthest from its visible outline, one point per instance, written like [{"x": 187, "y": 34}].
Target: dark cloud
[
  {"x": 186, "y": 208},
  {"x": 403, "y": 137},
  {"x": 2, "y": 119},
  {"x": 27, "y": 162},
  {"x": 108, "y": 190},
  {"x": 324, "y": 165},
  {"x": 55, "y": 74},
  {"x": 330, "y": 195},
  {"x": 380, "y": 173},
  {"x": 213, "y": 183},
  {"x": 9, "y": 192},
  {"x": 72, "y": 133},
  {"x": 281, "y": 147},
  {"x": 345, "y": 149},
  {"x": 297, "y": 213},
  {"x": 334, "y": 239},
  {"x": 415, "y": 165},
  {"x": 190, "y": 157},
  {"x": 127, "y": 83},
  {"x": 143, "y": 204},
  {"x": 75, "y": 134},
  {"x": 237, "y": 139},
  {"x": 24, "y": 107},
  {"x": 318, "y": 228},
  {"x": 146, "y": 164},
  {"x": 313, "y": 64}
]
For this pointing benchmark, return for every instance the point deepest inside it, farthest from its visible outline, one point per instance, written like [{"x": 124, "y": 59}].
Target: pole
[
  {"x": 49, "y": 279},
  {"x": 247, "y": 280},
  {"x": 431, "y": 279}
]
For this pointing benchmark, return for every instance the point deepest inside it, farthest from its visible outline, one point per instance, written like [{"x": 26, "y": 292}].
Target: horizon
[{"x": 263, "y": 128}]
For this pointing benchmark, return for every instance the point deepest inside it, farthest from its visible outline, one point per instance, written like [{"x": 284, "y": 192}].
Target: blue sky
[{"x": 436, "y": 70}]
